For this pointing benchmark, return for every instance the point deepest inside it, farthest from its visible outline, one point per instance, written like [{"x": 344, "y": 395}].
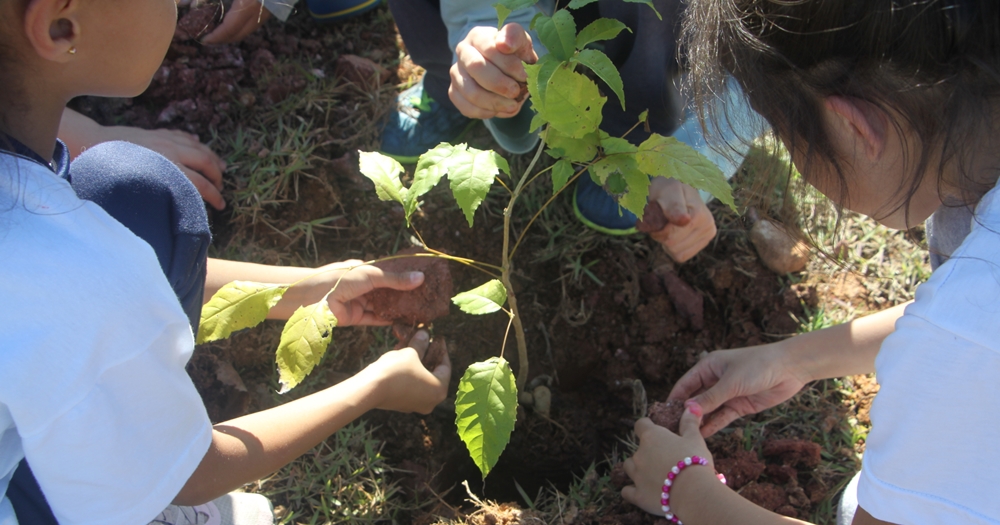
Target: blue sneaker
[
  {"x": 598, "y": 210},
  {"x": 328, "y": 11},
  {"x": 419, "y": 124}
]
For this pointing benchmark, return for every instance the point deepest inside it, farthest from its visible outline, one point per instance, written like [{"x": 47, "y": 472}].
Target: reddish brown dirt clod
[
  {"x": 361, "y": 71},
  {"x": 430, "y": 300},
  {"x": 688, "y": 302},
  {"x": 619, "y": 479},
  {"x": 652, "y": 219},
  {"x": 667, "y": 414},
  {"x": 198, "y": 22},
  {"x": 740, "y": 469},
  {"x": 523, "y": 91},
  {"x": 793, "y": 452},
  {"x": 767, "y": 495}
]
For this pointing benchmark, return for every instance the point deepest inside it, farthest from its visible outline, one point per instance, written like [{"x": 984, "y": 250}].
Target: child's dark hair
[{"x": 933, "y": 64}]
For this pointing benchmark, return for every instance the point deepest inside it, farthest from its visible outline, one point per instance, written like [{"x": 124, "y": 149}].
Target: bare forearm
[
  {"x": 253, "y": 446},
  {"x": 699, "y": 499},
  {"x": 222, "y": 272},
  {"x": 845, "y": 349}
]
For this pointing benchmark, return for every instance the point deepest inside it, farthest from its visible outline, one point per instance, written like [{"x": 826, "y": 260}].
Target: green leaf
[
  {"x": 557, "y": 33},
  {"x": 669, "y": 157},
  {"x": 644, "y": 116},
  {"x": 471, "y": 173},
  {"x": 539, "y": 75},
  {"x": 561, "y": 172},
  {"x": 486, "y": 410},
  {"x": 577, "y": 150},
  {"x": 384, "y": 172},
  {"x": 577, "y": 4},
  {"x": 572, "y": 103},
  {"x": 600, "y": 29},
  {"x": 650, "y": 4},
  {"x": 506, "y": 7},
  {"x": 485, "y": 299},
  {"x": 431, "y": 166},
  {"x": 237, "y": 305},
  {"x": 600, "y": 64},
  {"x": 621, "y": 174},
  {"x": 304, "y": 340},
  {"x": 613, "y": 145}
]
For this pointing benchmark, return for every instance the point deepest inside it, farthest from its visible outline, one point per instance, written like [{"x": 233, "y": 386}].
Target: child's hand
[
  {"x": 484, "y": 80},
  {"x": 244, "y": 17},
  {"x": 733, "y": 383},
  {"x": 659, "y": 451},
  {"x": 690, "y": 226},
  {"x": 405, "y": 385},
  {"x": 357, "y": 279}
]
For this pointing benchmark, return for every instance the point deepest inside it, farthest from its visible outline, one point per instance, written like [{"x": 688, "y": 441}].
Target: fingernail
[
  {"x": 693, "y": 407},
  {"x": 416, "y": 277},
  {"x": 421, "y": 335}
]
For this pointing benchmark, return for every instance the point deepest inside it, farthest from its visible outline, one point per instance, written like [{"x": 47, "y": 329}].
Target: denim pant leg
[
  {"x": 426, "y": 38},
  {"x": 155, "y": 200}
]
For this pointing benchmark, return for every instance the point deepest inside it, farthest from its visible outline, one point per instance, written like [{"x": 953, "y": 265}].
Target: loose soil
[{"x": 606, "y": 351}]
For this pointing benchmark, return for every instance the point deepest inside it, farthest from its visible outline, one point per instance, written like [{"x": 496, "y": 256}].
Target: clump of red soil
[
  {"x": 793, "y": 452},
  {"x": 430, "y": 300},
  {"x": 667, "y": 414},
  {"x": 652, "y": 219},
  {"x": 741, "y": 468},
  {"x": 769, "y": 496}
]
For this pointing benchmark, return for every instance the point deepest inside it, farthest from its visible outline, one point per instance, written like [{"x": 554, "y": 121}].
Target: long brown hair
[{"x": 932, "y": 63}]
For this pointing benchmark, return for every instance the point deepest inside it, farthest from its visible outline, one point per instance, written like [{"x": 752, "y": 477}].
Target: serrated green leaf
[
  {"x": 621, "y": 175},
  {"x": 557, "y": 33},
  {"x": 650, "y": 4},
  {"x": 600, "y": 29},
  {"x": 431, "y": 166},
  {"x": 561, "y": 172},
  {"x": 601, "y": 65},
  {"x": 614, "y": 145},
  {"x": 544, "y": 69},
  {"x": 471, "y": 173},
  {"x": 304, "y": 340},
  {"x": 577, "y": 4},
  {"x": 506, "y": 7},
  {"x": 572, "y": 103},
  {"x": 669, "y": 157},
  {"x": 384, "y": 172},
  {"x": 237, "y": 305},
  {"x": 537, "y": 121},
  {"x": 644, "y": 116},
  {"x": 486, "y": 410},
  {"x": 484, "y": 299},
  {"x": 577, "y": 150}
]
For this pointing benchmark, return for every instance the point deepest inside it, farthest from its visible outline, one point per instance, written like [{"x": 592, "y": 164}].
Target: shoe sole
[
  {"x": 597, "y": 227},
  {"x": 403, "y": 159},
  {"x": 343, "y": 14}
]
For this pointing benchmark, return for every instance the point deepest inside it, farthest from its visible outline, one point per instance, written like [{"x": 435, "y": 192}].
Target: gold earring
[{"x": 72, "y": 50}]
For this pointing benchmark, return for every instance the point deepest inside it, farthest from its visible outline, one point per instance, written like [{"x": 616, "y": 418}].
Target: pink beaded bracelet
[{"x": 668, "y": 483}]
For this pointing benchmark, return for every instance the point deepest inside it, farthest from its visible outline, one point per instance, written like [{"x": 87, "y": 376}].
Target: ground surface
[{"x": 611, "y": 323}]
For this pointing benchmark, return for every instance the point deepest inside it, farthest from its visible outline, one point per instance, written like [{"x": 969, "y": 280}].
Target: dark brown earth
[
  {"x": 427, "y": 302},
  {"x": 604, "y": 350}
]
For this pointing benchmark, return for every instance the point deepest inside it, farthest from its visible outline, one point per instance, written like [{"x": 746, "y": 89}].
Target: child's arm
[
  {"x": 729, "y": 384},
  {"x": 201, "y": 165},
  {"x": 253, "y": 446},
  {"x": 346, "y": 302}
]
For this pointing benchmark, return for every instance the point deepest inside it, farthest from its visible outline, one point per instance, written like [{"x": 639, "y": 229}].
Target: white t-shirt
[
  {"x": 93, "y": 344},
  {"x": 932, "y": 456}
]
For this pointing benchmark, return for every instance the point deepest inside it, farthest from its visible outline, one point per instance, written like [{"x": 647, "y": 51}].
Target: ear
[
  {"x": 52, "y": 28},
  {"x": 864, "y": 120}
]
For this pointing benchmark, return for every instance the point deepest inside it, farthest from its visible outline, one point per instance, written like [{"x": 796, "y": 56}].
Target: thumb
[
  {"x": 419, "y": 342},
  {"x": 713, "y": 398},
  {"x": 398, "y": 280},
  {"x": 675, "y": 207},
  {"x": 443, "y": 371},
  {"x": 690, "y": 423},
  {"x": 512, "y": 39}
]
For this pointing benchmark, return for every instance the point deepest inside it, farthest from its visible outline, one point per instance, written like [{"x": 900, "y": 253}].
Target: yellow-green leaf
[
  {"x": 471, "y": 173},
  {"x": 506, "y": 7},
  {"x": 304, "y": 340},
  {"x": 561, "y": 172},
  {"x": 486, "y": 410},
  {"x": 572, "y": 103},
  {"x": 384, "y": 172},
  {"x": 431, "y": 166},
  {"x": 557, "y": 33},
  {"x": 237, "y": 305},
  {"x": 600, "y": 29},
  {"x": 669, "y": 157},
  {"x": 484, "y": 299},
  {"x": 580, "y": 150},
  {"x": 601, "y": 65}
]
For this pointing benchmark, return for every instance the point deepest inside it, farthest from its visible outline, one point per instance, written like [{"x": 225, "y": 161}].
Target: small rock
[
  {"x": 361, "y": 71},
  {"x": 543, "y": 400},
  {"x": 779, "y": 250}
]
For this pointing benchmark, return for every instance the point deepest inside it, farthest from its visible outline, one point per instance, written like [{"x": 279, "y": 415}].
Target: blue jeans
[{"x": 150, "y": 196}]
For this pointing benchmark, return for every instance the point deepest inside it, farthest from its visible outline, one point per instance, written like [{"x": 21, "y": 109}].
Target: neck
[{"x": 34, "y": 122}]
